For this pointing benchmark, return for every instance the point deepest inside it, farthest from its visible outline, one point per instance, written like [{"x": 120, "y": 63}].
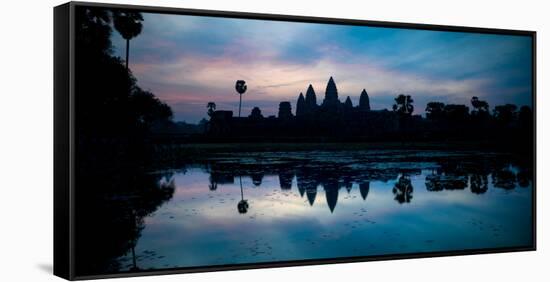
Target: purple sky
[{"x": 188, "y": 61}]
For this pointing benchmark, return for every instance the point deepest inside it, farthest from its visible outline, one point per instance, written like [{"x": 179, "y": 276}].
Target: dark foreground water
[{"x": 262, "y": 207}]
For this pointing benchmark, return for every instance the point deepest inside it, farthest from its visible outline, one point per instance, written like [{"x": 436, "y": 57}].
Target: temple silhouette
[{"x": 309, "y": 119}]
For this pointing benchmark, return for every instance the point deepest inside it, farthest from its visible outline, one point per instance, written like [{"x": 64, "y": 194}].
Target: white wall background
[{"x": 26, "y": 134}]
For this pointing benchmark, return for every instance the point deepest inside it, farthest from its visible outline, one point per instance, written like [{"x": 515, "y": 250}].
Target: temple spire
[
  {"x": 301, "y": 105},
  {"x": 364, "y": 189},
  {"x": 348, "y": 105},
  {"x": 364, "y": 103},
  {"x": 331, "y": 92},
  {"x": 311, "y": 99},
  {"x": 332, "y": 197},
  {"x": 331, "y": 101}
]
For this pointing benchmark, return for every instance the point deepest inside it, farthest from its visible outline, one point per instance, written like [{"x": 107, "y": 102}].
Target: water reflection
[
  {"x": 364, "y": 189},
  {"x": 242, "y": 207},
  {"x": 479, "y": 183},
  {"x": 403, "y": 189},
  {"x": 504, "y": 178},
  {"x": 308, "y": 206},
  {"x": 110, "y": 215},
  {"x": 460, "y": 174}
]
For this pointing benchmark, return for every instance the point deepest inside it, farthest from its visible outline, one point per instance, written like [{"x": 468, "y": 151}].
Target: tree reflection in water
[
  {"x": 242, "y": 206},
  {"x": 403, "y": 189},
  {"x": 111, "y": 206},
  {"x": 504, "y": 178},
  {"x": 478, "y": 183}
]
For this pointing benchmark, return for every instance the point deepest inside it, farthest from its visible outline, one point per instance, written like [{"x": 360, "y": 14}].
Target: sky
[{"x": 188, "y": 61}]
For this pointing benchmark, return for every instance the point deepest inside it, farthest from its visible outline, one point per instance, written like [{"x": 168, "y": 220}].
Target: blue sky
[{"x": 188, "y": 61}]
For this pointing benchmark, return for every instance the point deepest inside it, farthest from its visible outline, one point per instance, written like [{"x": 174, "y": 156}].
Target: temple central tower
[{"x": 331, "y": 94}]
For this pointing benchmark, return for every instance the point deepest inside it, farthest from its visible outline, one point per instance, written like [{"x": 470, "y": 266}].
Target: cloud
[
  {"x": 194, "y": 80},
  {"x": 188, "y": 61}
]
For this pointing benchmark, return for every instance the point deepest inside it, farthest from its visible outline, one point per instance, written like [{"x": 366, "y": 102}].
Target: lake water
[{"x": 264, "y": 207}]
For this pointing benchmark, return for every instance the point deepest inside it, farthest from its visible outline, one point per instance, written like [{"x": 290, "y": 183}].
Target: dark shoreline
[
  {"x": 173, "y": 154},
  {"x": 340, "y": 146}
]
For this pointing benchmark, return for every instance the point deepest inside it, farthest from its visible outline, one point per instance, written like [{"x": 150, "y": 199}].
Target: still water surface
[{"x": 262, "y": 207}]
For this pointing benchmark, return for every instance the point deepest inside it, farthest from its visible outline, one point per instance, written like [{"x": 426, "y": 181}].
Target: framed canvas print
[{"x": 193, "y": 140}]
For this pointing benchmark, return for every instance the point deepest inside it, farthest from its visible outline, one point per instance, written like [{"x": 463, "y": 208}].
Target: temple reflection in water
[{"x": 447, "y": 176}]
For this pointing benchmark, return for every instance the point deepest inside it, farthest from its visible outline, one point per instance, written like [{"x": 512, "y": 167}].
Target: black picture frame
[{"x": 64, "y": 139}]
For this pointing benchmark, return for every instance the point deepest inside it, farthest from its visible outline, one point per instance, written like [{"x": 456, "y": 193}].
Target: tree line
[
  {"x": 109, "y": 100},
  {"x": 438, "y": 111}
]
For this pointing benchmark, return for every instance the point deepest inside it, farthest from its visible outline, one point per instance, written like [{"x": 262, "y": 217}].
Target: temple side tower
[
  {"x": 301, "y": 106},
  {"x": 364, "y": 102},
  {"x": 311, "y": 100}
]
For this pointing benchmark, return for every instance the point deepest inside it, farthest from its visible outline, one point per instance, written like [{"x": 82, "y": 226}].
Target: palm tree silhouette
[
  {"x": 133, "y": 240},
  {"x": 242, "y": 206},
  {"x": 479, "y": 105},
  {"x": 98, "y": 16},
  {"x": 403, "y": 104},
  {"x": 403, "y": 189},
  {"x": 213, "y": 186},
  {"x": 128, "y": 24},
  {"x": 240, "y": 86},
  {"x": 211, "y": 106}
]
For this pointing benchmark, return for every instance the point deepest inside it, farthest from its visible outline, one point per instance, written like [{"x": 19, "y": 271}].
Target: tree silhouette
[
  {"x": 403, "y": 105},
  {"x": 240, "y": 87},
  {"x": 203, "y": 125},
  {"x": 128, "y": 24},
  {"x": 149, "y": 109},
  {"x": 456, "y": 113},
  {"x": 98, "y": 15},
  {"x": 525, "y": 116},
  {"x": 256, "y": 113},
  {"x": 94, "y": 31},
  {"x": 114, "y": 226},
  {"x": 505, "y": 114},
  {"x": 435, "y": 110},
  {"x": 110, "y": 101},
  {"x": 525, "y": 120},
  {"x": 480, "y": 113},
  {"x": 211, "y": 106},
  {"x": 480, "y": 107}
]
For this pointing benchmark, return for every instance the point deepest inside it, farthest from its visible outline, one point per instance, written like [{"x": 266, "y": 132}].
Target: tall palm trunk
[
  {"x": 134, "y": 257},
  {"x": 240, "y": 102},
  {"x": 127, "y": 51},
  {"x": 241, "y": 182}
]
